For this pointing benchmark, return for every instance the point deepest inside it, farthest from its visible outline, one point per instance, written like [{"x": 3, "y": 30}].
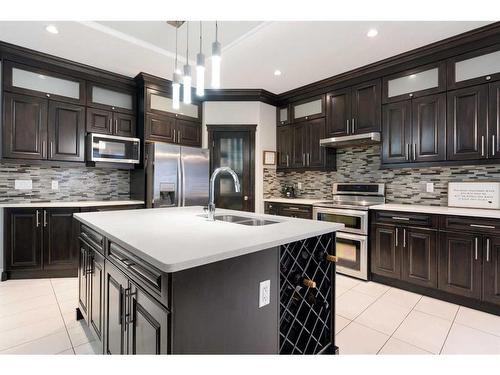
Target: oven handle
[{"x": 363, "y": 215}]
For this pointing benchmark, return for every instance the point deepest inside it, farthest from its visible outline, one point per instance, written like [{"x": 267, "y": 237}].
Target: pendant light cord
[
  {"x": 176, "y": 65},
  {"x": 201, "y": 30},
  {"x": 216, "y": 31},
  {"x": 187, "y": 42}
]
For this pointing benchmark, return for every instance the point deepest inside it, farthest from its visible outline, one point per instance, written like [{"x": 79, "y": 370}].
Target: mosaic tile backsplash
[
  {"x": 362, "y": 164},
  {"x": 75, "y": 183}
]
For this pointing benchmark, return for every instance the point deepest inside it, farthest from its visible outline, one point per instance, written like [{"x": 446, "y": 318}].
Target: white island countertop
[
  {"x": 439, "y": 210},
  {"x": 59, "y": 204},
  {"x": 175, "y": 239}
]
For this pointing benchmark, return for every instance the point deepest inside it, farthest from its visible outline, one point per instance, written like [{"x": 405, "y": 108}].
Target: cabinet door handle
[
  {"x": 174, "y": 135},
  {"x": 110, "y": 121},
  {"x": 414, "y": 152},
  {"x": 493, "y": 145},
  {"x": 50, "y": 149},
  {"x": 287, "y": 160},
  {"x": 43, "y": 149},
  {"x": 404, "y": 237},
  {"x": 482, "y": 145},
  {"x": 407, "y": 151},
  {"x": 179, "y": 136},
  {"x": 475, "y": 249},
  {"x": 37, "y": 219},
  {"x": 116, "y": 126},
  {"x": 400, "y": 218},
  {"x": 120, "y": 307},
  {"x": 348, "y": 130},
  {"x": 487, "y": 249},
  {"x": 353, "y": 125},
  {"x": 308, "y": 159},
  {"x": 303, "y": 159},
  {"x": 44, "y": 218},
  {"x": 396, "y": 238},
  {"x": 482, "y": 226}
]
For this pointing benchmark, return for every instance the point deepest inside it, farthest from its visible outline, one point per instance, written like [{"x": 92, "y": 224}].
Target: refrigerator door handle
[
  {"x": 183, "y": 181},
  {"x": 180, "y": 179}
]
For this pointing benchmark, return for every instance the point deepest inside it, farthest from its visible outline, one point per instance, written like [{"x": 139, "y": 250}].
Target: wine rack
[{"x": 306, "y": 312}]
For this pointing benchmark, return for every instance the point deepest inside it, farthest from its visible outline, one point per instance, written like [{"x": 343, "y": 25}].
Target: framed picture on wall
[{"x": 269, "y": 157}]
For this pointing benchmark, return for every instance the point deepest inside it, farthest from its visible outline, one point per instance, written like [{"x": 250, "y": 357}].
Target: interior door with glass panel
[{"x": 233, "y": 149}]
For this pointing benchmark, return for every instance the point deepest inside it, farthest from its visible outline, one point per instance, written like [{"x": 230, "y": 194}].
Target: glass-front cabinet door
[
  {"x": 415, "y": 83},
  {"x": 161, "y": 103},
  {"x": 110, "y": 99},
  {"x": 308, "y": 109},
  {"x": 474, "y": 68},
  {"x": 283, "y": 115},
  {"x": 37, "y": 82}
]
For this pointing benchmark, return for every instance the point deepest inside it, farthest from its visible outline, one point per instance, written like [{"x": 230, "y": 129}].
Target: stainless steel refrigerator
[{"x": 176, "y": 176}]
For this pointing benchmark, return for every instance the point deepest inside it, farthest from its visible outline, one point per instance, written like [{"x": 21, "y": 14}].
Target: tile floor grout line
[
  {"x": 449, "y": 330},
  {"x": 406, "y": 317},
  {"x": 62, "y": 317}
]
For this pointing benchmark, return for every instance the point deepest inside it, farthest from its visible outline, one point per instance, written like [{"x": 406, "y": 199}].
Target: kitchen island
[{"x": 163, "y": 281}]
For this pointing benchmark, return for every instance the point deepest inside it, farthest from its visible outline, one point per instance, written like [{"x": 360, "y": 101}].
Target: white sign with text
[{"x": 474, "y": 194}]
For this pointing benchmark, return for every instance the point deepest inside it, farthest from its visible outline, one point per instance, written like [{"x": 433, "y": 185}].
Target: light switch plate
[
  {"x": 429, "y": 187},
  {"x": 264, "y": 293},
  {"x": 55, "y": 185},
  {"x": 299, "y": 185},
  {"x": 23, "y": 184}
]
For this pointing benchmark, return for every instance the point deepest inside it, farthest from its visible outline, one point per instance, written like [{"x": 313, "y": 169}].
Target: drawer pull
[
  {"x": 487, "y": 249},
  {"x": 401, "y": 218},
  {"x": 293, "y": 208},
  {"x": 482, "y": 226},
  {"x": 475, "y": 249}
]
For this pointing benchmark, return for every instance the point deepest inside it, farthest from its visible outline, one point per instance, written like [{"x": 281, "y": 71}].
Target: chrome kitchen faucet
[{"x": 211, "y": 204}]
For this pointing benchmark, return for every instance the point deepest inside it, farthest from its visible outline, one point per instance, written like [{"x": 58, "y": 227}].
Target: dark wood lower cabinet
[
  {"x": 386, "y": 253},
  {"x": 460, "y": 258},
  {"x": 96, "y": 293},
  {"x": 491, "y": 270},
  {"x": 59, "y": 235},
  {"x": 420, "y": 257},
  {"x": 114, "y": 306},
  {"x": 290, "y": 210}
]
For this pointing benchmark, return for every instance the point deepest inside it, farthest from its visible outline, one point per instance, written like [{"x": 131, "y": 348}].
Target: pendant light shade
[
  {"x": 176, "y": 80},
  {"x": 200, "y": 69},
  {"x": 216, "y": 60},
  {"x": 186, "y": 79}
]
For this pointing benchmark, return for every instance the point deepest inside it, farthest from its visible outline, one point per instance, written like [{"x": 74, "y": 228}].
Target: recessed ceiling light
[
  {"x": 277, "y": 72},
  {"x": 52, "y": 29},
  {"x": 372, "y": 33}
]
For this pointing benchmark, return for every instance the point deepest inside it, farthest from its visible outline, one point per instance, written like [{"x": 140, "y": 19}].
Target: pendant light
[
  {"x": 176, "y": 79},
  {"x": 200, "y": 69},
  {"x": 186, "y": 79},
  {"x": 216, "y": 57}
]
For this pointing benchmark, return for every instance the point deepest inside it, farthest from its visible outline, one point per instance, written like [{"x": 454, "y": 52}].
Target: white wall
[{"x": 246, "y": 113}]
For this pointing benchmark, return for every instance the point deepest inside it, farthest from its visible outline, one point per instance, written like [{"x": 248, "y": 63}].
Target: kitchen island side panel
[{"x": 216, "y": 307}]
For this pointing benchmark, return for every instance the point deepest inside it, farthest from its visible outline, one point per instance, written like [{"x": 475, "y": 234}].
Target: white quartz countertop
[
  {"x": 295, "y": 200},
  {"x": 439, "y": 210},
  {"x": 69, "y": 204},
  {"x": 174, "y": 239}
]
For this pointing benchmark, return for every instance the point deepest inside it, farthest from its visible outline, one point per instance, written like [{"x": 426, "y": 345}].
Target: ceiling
[{"x": 304, "y": 51}]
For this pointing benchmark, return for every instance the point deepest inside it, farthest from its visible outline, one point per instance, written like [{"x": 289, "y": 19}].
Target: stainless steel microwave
[{"x": 113, "y": 149}]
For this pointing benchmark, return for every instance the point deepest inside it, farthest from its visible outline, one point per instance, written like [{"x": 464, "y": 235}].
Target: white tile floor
[{"x": 38, "y": 317}]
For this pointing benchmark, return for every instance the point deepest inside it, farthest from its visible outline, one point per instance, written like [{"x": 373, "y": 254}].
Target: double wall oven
[{"x": 350, "y": 207}]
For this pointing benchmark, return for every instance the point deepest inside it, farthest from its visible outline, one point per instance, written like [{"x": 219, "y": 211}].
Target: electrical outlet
[
  {"x": 429, "y": 187},
  {"x": 23, "y": 184},
  {"x": 55, "y": 185},
  {"x": 299, "y": 185},
  {"x": 264, "y": 293}
]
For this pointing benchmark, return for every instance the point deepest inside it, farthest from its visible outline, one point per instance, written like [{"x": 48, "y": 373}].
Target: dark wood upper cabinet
[
  {"x": 420, "y": 257},
  {"x": 308, "y": 109},
  {"x": 494, "y": 121},
  {"x": 429, "y": 128},
  {"x": 66, "y": 132},
  {"x": 25, "y": 127},
  {"x": 24, "y": 79},
  {"x": 125, "y": 124},
  {"x": 188, "y": 133},
  {"x": 414, "y": 83},
  {"x": 110, "y": 98},
  {"x": 299, "y": 145},
  {"x": 59, "y": 236},
  {"x": 99, "y": 121},
  {"x": 161, "y": 103},
  {"x": 366, "y": 107},
  {"x": 467, "y": 123},
  {"x": 159, "y": 128},
  {"x": 338, "y": 113},
  {"x": 315, "y": 153},
  {"x": 460, "y": 256},
  {"x": 491, "y": 270},
  {"x": 386, "y": 253},
  {"x": 396, "y": 130},
  {"x": 284, "y": 141},
  {"x": 23, "y": 234},
  {"x": 474, "y": 68},
  {"x": 283, "y": 115}
]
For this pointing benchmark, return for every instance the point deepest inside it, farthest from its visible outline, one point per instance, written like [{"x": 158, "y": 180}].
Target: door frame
[{"x": 250, "y": 129}]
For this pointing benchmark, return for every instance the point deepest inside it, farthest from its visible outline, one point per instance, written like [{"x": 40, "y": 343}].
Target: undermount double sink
[{"x": 243, "y": 220}]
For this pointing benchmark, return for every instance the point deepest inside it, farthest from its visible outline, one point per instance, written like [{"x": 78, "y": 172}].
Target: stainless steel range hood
[{"x": 351, "y": 140}]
